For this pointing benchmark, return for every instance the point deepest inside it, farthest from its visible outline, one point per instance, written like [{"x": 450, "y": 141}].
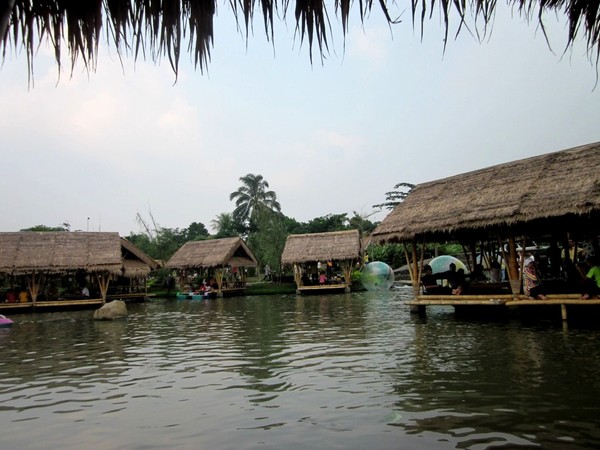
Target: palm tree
[
  {"x": 225, "y": 225},
  {"x": 253, "y": 197}
]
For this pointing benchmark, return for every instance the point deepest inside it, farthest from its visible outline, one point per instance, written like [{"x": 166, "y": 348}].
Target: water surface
[{"x": 350, "y": 371}]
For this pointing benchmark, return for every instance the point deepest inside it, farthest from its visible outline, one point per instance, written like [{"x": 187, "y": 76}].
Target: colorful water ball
[
  {"x": 377, "y": 276},
  {"x": 442, "y": 263}
]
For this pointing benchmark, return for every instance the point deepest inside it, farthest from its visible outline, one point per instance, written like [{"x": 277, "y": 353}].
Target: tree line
[{"x": 258, "y": 219}]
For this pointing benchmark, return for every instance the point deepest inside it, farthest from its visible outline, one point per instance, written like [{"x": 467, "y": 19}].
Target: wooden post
[
  {"x": 563, "y": 311},
  {"x": 297, "y": 275},
  {"x": 103, "y": 281},
  {"x": 415, "y": 277},
  {"x": 219, "y": 277},
  {"x": 513, "y": 270},
  {"x": 347, "y": 271}
]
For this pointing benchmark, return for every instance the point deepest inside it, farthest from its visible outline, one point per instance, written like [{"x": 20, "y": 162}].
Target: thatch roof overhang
[
  {"x": 334, "y": 246},
  {"x": 165, "y": 28},
  {"x": 29, "y": 252},
  {"x": 212, "y": 253},
  {"x": 554, "y": 192}
]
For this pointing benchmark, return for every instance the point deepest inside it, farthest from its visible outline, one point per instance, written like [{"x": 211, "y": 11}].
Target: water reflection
[{"x": 343, "y": 371}]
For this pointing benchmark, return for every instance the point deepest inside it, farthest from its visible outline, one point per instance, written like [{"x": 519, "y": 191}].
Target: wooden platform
[
  {"x": 323, "y": 289},
  {"x": 51, "y": 304},
  {"x": 502, "y": 300}
]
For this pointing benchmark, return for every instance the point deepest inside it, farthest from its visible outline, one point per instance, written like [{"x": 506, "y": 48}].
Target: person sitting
[
  {"x": 11, "y": 296},
  {"x": 23, "y": 296},
  {"x": 532, "y": 285},
  {"x": 591, "y": 285},
  {"x": 85, "y": 291},
  {"x": 430, "y": 284},
  {"x": 458, "y": 283},
  {"x": 477, "y": 275},
  {"x": 495, "y": 272},
  {"x": 322, "y": 278}
]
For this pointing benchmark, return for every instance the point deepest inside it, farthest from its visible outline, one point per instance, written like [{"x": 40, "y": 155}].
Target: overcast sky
[{"x": 329, "y": 138}]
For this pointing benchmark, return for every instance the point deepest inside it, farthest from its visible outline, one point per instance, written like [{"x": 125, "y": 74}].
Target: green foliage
[
  {"x": 161, "y": 243},
  {"x": 356, "y": 277},
  {"x": 66, "y": 226},
  {"x": 391, "y": 254},
  {"x": 330, "y": 222},
  {"x": 450, "y": 248},
  {"x": 361, "y": 223},
  {"x": 227, "y": 226},
  {"x": 196, "y": 231},
  {"x": 395, "y": 197},
  {"x": 268, "y": 240}
]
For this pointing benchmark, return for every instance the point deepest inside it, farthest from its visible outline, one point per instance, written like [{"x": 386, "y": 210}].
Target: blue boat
[{"x": 195, "y": 296}]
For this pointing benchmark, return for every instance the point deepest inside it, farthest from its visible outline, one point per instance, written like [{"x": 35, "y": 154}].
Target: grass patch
[{"x": 271, "y": 288}]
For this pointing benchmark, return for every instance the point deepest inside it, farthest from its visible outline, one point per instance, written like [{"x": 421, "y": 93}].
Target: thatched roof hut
[
  {"x": 167, "y": 27},
  {"x": 313, "y": 247},
  {"x": 212, "y": 253},
  {"x": 306, "y": 249},
  {"x": 558, "y": 191},
  {"x": 37, "y": 254}
]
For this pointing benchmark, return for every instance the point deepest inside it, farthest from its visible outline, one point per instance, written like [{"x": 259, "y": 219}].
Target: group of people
[
  {"x": 587, "y": 279},
  {"x": 533, "y": 287},
  {"x": 456, "y": 281},
  {"x": 22, "y": 295},
  {"x": 16, "y": 296}
]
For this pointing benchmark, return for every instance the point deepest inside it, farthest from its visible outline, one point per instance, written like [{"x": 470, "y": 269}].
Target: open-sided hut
[
  {"x": 137, "y": 265},
  {"x": 221, "y": 256},
  {"x": 305, "y": 251},
  {"x": 38, "y": 257},
  {"x": 555, "y": 194}
]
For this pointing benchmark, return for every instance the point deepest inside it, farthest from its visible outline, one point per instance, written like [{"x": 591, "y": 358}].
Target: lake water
[{"x": 350, "y": 371}]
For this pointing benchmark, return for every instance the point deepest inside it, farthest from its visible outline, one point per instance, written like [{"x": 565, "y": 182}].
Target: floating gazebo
[
  {"x": 221, "y": 258},
  {"x": 310, "y": 253},
  {"x": 39, "y": 259},
  {"x": 497, "y": 212}
]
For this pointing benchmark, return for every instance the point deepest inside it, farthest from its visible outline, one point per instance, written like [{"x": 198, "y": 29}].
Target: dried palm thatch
[
  {"x": 60, "y": 252},
  {"x": 559, "y": 190},
  {"x": 333, "y": 246},
  {"x": 135, "y": 262},
  {"x": 212, "y": 253},
  {"x": 163, "y": 27}
]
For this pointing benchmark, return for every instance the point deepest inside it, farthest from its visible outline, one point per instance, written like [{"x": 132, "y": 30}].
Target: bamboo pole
[
  {"x": 219, "y": 278},
  {"x": 103, "y": 282},
  {"x": 347, "y": 271},
  {"x": 513, "y": 271},
  {"x": 522, "y": 259},
  {"x": 35, "y": 286},
  {"x": 410, "y": 273},
  {"x": 416, "y": 282}
]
